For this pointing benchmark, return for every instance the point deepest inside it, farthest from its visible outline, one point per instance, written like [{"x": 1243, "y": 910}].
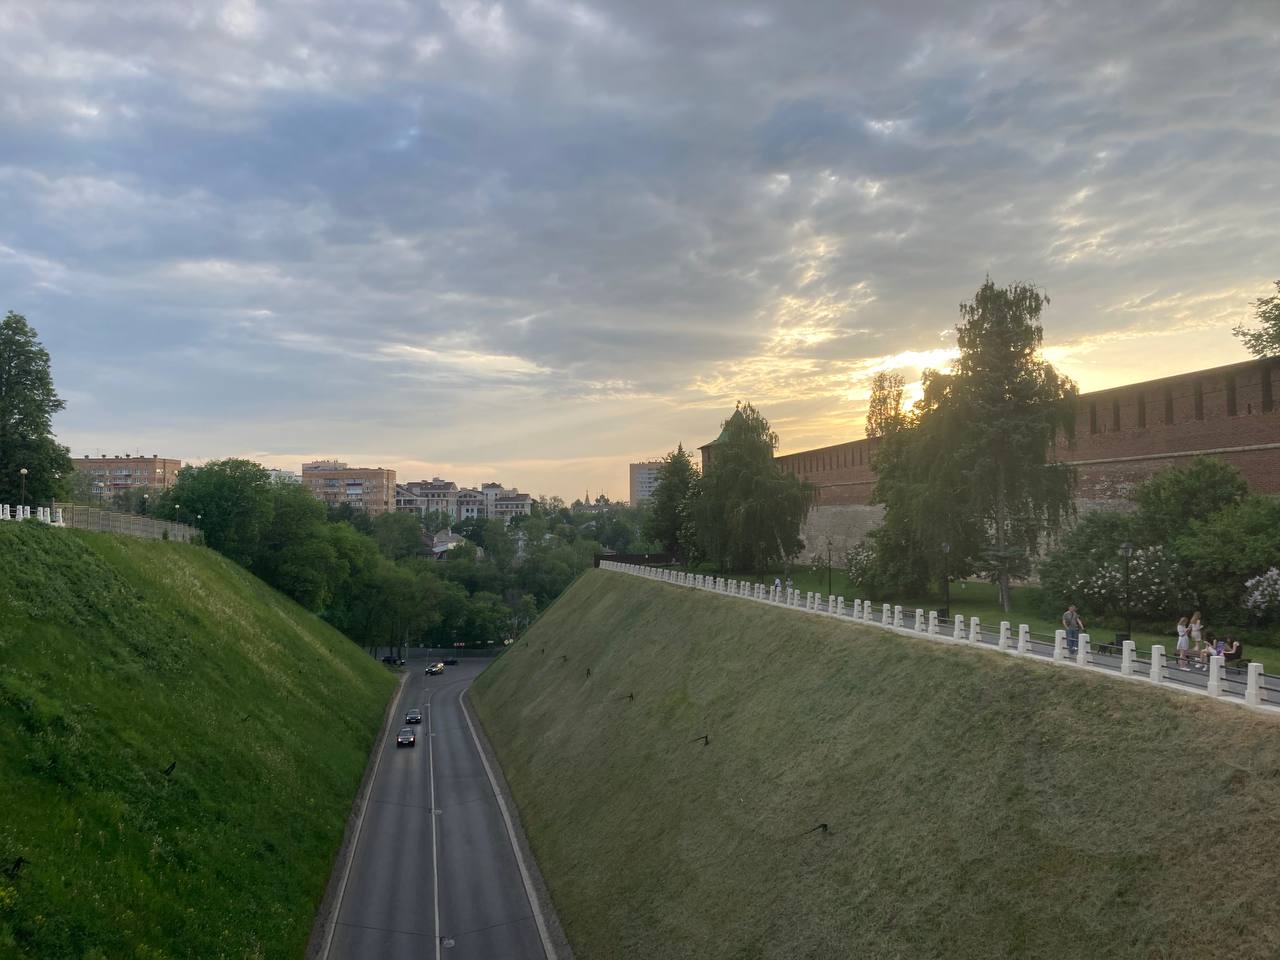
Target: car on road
[
  {"x": 413, "y": 716},
  {"x": 434, "y": 668},
  {"x": 450, "y": 661},
  {"x": 406, "y": 738},
  {"x": 393, "y": 661}
]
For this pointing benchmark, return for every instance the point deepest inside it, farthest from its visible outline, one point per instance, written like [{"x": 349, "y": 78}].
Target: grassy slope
[
  {"x": 118, "y": 656},
  {"x": 979, "y": 806}
]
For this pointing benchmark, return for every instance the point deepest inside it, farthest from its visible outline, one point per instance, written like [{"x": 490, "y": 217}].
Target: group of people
[{"x": 1194, "y": 640}]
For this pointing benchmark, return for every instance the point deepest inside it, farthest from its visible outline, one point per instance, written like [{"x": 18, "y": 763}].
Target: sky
[{"x": 532, "y": 241}]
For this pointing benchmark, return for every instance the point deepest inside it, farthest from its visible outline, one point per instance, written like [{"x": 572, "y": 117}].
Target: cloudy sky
[{"x": 533, "y": 240}]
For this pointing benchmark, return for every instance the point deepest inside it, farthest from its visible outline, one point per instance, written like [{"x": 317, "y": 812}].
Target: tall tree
[
  {"x": 975, "y": 470},
  {"x": 28, "y": 402},
  {"x": 1012, "y": 402},
  {"x": 884, "y": 409},
  {"x": 1265, "y": 340},
  {"x": 748, "y": 513},
  {"x": 234, "y": 501},
  {"x": 675, "y": 476}
]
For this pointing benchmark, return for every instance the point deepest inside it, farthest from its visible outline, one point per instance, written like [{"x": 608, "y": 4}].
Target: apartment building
[
  {"x": 489, "y": 501},
  {"x": 644, "y": 480},
  {"x": 425, "y": 496},
  {"x": 283, "y": 476},
  {"x": 110, "y": 475},
  {"x": 371, "y": 489}
]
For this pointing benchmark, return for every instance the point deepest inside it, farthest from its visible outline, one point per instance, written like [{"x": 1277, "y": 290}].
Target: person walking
[
  {"x": 1183, "y": 631},
  {"x": 1072, "y": 623}
]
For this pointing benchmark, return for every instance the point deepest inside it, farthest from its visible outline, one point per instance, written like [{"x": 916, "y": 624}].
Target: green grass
[
  {"x": 978, "y": 805},
  {"x": 119, "y": 657},
  {"x": 978, "y": 599}
]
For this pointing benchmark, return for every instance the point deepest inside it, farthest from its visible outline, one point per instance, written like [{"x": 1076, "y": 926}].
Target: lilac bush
[{"x": 1262, "y": 595}]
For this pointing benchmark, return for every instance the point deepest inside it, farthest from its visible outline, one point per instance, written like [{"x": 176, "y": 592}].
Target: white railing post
[
  {"x": 831, "y": 604},
  {"x": 866, "y": 611},
  {"x": 897, "y": 615},
  {"x": 1216, "y": 663},
  {"x": 975, "y": 630},
  {"x": 1253, "y": 686},
  {"x": 1157, "y": 663},
  {"x": 839, "y": 606},
  {"x": 857, "y": 609},
  {"x": 1126, "y": 658},
  {"x": 1024, "y": 638},
  {"x": 808, "y": 599},
  {"x": 885, "y": 614},
  {"x": 957, "y": 632},
  {"x": 1082, "y": 651},
  {"x": 933, "y": 623},
  {"x": 920, "y": 626},
  {"x": 1003, "y": 642},
  {"x": 1059, "y": 644}
]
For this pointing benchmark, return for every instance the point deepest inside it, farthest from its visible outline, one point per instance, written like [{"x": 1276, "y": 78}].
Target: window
[
  {"x": 1142, "y": 412},
  {"x": 1168, "y": 405},
  {"x": 1199, "y": 400},
  {"x": 1115, "y": 413},
  {"x": 1093, "y": 418},
  {"x": 1231, "y": 396}
]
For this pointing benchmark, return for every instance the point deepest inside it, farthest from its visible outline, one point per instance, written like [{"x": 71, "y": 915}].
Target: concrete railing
[
  {"x": 1257, "y": 690},
  {"x": 105, "y": 521}
]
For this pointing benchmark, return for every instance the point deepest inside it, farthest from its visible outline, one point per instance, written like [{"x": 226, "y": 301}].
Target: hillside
[
  {"x": 119, "y": 657},
  {"x": 977, "y": 805}
]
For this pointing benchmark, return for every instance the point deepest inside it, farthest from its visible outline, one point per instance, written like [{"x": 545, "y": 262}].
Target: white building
[{"x": 644, "y": 480}]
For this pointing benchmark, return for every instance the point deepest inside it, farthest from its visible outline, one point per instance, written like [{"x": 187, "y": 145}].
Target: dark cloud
[{"x": 350, "y": 218}]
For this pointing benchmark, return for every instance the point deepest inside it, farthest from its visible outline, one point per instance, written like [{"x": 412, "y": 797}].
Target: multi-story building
[
  {"x": 644, "y": 480},
  {"x": 283, "y": 476},
  {"x": 110, "y": 475},
  {"x": 491, "y": 500},
  {"x": 427, "y": 496},
  {"x": 333, "y": 482},
  {"x": 512, "y": 503}
]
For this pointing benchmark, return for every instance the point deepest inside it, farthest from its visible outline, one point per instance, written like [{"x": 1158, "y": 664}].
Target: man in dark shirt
[{"x": 1072, "y": 623}]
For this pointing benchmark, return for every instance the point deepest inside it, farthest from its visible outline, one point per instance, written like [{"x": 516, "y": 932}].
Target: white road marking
[
  {"x": 547, "y": 948},
  {"x": 355, "y": 844}
]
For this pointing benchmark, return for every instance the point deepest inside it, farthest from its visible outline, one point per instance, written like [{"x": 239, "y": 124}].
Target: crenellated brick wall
[{"x": 1122, "y": 436}]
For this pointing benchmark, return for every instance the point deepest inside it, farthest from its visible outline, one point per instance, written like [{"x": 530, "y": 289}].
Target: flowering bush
[
  {"x": 1262, "y": 594},
  {"x": 857, "y": 563},
  {"x": 1154, "y": 584}
]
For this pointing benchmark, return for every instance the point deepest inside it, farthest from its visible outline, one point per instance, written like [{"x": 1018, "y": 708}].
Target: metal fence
[{"x": 131, "y": 525}]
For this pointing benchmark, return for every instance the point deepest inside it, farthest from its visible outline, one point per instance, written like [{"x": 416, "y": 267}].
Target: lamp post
[
  {"x": 22, "y": 472},
  {"x": 829, "y": 590},
  {"x": 146, "y": 504},
  {"x": 946, "y": 582},
  {"x": 1126, "y": 551}
]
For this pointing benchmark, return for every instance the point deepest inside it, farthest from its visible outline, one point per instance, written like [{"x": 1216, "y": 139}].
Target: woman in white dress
[{"x": 1183, "y": 643}]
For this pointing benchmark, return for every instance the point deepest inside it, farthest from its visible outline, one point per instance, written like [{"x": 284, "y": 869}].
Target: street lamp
[
  {"x": 146, "y": 503},
  {"x": 946, "y": 582},
  {"x": 22, "y": 472},
  {"x": 1126, "y": 551},
  {"x": 829, "y": 590}
]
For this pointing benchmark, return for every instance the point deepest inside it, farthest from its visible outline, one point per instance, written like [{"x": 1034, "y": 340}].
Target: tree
[
  {"x": 235, "y": 500},
  {"x": 398, "y": 535},
  {"x": 433, "y": 521},
  {"x": 1171, "y": 499},
  {"x": 1264, "y": 341},
  {"x": 1223, "y": 551},
  {"x": 884, "y": 409},
  {"x": 28, "y": 402},
  {"x": 675, "y": 476},
  {"x": 473, "y": 529},
  {"x": 974, "y": 469},
  {"x": 748, "y": 513}
]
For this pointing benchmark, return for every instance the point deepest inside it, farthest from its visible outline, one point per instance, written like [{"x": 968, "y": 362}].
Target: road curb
[
  {"x": 327, "y": 911},
  {"x": 559, "y": 942}
]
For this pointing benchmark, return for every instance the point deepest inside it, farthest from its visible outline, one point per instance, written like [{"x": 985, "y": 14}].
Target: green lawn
[
  {"x": 120, "y": 658},
  {"x": 976, "y": 805},
  {"x": 979, "y": 599}
]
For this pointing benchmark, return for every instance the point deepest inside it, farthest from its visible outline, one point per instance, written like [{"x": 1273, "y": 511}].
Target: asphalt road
[{"x": 454, "y": 892}]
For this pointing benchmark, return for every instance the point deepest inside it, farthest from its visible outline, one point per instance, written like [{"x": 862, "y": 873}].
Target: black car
[
  {"x": 413, "y": 716},
  {"x": 406, "y": 738},
  {"x": 393, "y": 661},
  {"x": 450, "y": 661}
]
